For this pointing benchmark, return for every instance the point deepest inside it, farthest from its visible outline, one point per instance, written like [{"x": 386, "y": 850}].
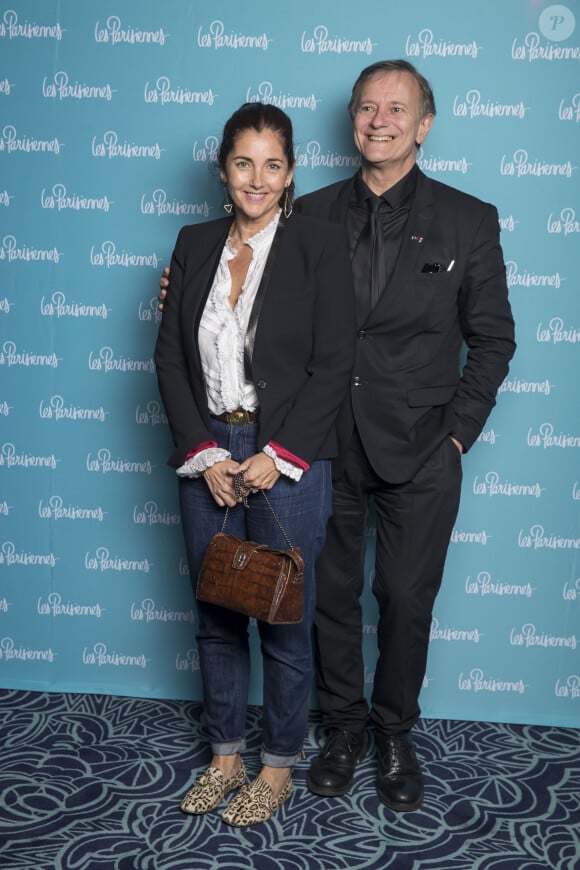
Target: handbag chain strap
[{"x": 243, "y": 497}]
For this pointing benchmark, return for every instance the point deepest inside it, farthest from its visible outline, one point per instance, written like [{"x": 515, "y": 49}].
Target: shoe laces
[
  {"x": 398, "y": 751},
  {"x": 340, "y": 741}
]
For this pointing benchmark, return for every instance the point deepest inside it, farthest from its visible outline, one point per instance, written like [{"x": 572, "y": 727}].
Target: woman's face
[{"x": 256, "y": 172}]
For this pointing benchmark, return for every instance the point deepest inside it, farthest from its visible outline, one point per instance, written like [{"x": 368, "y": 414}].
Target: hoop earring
[
  {"x": 228, "y": 204},
  {"x": 288, "y": 207}
]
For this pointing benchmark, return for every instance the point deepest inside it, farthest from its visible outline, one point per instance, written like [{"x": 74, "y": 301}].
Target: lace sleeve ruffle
[
  {"x": 288, "y": 469},
  {"x": 196, "y": 465}
]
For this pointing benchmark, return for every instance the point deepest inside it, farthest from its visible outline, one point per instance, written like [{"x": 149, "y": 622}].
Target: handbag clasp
[{"x": 241, "y": 557}]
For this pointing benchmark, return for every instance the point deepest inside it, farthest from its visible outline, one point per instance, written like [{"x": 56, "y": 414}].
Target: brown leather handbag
[{"x": 252, "y": 578}]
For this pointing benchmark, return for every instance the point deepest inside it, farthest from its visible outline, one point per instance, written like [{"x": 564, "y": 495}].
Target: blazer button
[
  {"x": 262, "y": 384},
  {"x": 356, "y": 382},
  {"x": 362, "y": 334}
]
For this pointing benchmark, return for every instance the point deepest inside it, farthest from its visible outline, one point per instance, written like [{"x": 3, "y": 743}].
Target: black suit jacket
[
  {"x": 304, "y": 341},
  {"x": 408, "y": 391}
]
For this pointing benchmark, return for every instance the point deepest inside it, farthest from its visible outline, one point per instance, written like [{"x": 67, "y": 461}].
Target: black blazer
[
  {"x": 408, "y": 391},
  {"x": 304, "y": 341}
]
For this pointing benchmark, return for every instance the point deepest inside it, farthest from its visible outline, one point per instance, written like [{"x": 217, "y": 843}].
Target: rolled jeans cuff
[
  {"x": 281, "y": 760},
  {"x": 231, "y": 748}
]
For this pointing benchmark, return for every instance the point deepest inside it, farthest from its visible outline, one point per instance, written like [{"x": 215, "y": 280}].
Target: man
[
  {"x": 429, "y": 275},
  {"x": 436, "y": 280}
]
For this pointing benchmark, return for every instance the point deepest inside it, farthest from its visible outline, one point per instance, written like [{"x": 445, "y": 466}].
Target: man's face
[{"x": 388, "y": 124}]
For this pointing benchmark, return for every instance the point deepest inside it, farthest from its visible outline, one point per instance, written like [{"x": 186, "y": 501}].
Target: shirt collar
[{"x": 400, "y": 194}]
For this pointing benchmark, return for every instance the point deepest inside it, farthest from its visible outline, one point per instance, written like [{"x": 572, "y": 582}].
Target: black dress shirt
[{"x": 393, "y": 211}]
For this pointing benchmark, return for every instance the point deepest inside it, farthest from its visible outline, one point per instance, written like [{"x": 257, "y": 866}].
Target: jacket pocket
[{"x": 426, "y": 396}]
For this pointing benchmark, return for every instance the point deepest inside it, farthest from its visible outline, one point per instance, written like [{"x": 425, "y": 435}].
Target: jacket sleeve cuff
[
  {"x": 203, "y": 446},
  {"x": 282, "y": 453}
]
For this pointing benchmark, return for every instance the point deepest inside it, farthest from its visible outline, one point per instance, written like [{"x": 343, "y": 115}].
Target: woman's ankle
[
  {"x": 276, "y": 777},
  {"x": 228, "y": 764}
]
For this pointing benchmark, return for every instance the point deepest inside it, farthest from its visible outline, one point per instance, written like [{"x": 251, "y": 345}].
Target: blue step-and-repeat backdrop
[{"x": 110, "y": 115}]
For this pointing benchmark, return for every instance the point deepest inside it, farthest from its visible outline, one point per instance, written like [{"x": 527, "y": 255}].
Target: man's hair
[{"x": 386, "y": 66}]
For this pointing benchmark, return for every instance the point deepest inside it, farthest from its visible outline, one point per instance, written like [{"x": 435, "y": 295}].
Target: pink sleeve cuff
[
  {"x": 201, "y": 447},
  {"x": 282, "y": 453}
]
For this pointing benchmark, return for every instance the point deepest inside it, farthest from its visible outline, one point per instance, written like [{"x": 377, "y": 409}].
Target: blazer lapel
[
  {"x": 259, "y": 299},
  {"x": 339, "y": 206},
  {"x": 417, "y": 229},
  {"x": 202, "y": 273}
]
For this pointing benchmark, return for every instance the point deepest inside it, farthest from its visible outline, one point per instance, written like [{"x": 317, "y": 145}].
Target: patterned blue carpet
[{"x": 93, "y": 783}]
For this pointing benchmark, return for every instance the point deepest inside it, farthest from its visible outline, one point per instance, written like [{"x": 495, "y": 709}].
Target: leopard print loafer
[
  {"x": 255, "y": 803},
  {"x": 209, "y": 790}
]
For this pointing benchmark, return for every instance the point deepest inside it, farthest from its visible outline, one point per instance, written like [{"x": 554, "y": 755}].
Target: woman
[{"x": 271, "y": 417}]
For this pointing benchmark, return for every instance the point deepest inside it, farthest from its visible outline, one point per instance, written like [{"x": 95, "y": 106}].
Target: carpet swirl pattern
[{"x": 91, "y": 782}]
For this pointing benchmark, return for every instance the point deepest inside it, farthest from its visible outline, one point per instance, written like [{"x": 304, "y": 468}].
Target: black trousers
[{"x": 414, "y": 522}]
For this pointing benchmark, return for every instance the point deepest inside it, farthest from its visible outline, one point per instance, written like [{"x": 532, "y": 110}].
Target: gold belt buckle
[{"x": 239, "y": 417}]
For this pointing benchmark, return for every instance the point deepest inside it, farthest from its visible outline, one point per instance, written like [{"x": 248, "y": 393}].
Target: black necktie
[
  {"x": 369, "y": 260},
  {"x": 378, "y": 252}
]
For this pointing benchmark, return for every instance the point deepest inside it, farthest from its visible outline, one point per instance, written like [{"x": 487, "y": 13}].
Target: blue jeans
[{"x": 303, "y": 508}]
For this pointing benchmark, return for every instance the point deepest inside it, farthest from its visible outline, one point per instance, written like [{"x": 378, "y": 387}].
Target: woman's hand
[
  {"x": 457, "y": 443},
  {"x": 163, "y": 285},
  {"x": 220, "y": 480},
  {"x": 260, "y": 472}
]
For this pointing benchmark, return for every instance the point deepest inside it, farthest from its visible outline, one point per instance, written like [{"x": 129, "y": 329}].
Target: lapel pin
[{"x": 417, "y": 239}]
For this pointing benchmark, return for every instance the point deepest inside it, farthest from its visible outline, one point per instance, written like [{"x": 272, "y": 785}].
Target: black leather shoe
[
  {"x": 331, "y": 773},
  {"x": 400, "y": 781}
]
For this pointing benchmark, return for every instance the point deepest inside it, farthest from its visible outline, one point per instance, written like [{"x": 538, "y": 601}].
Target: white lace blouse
[
  {"x": 221, "y": 338},
  {"x": 222, "y": 330}
]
